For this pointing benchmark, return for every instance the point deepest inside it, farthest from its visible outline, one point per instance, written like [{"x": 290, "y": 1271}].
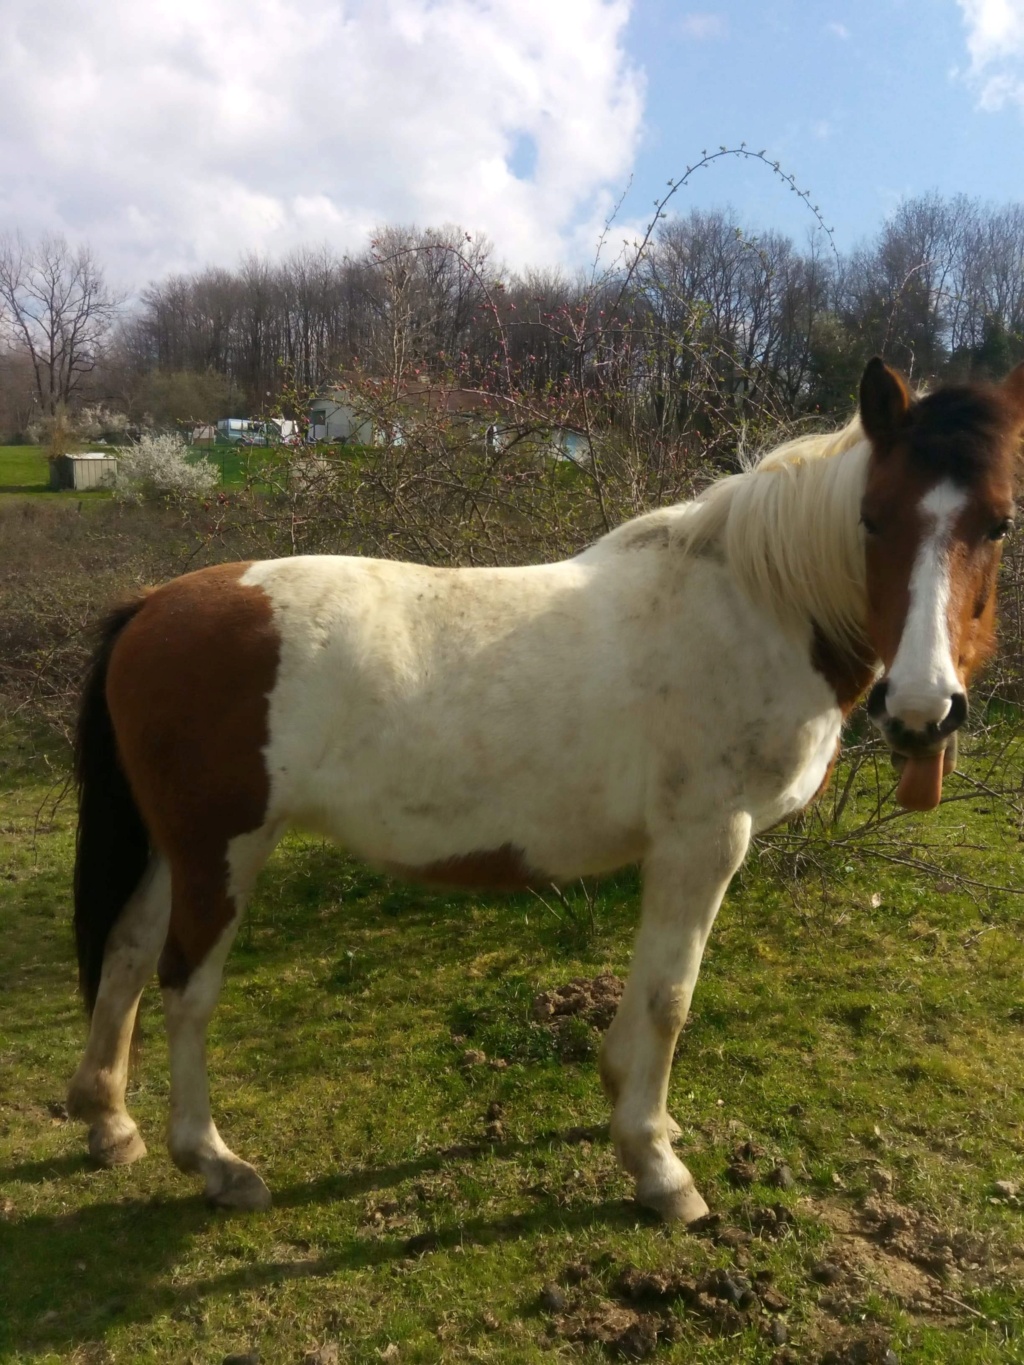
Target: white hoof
[
  {"x": 116, "y": 1143},
  {"x": 237, "y": 1185},
  {"x": 681, "y": 1205}
]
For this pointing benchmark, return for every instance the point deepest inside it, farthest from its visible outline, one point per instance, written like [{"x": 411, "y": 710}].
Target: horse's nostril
[
  {"x": 876, "y": 699},
  {"x": 955, "y": 716}
]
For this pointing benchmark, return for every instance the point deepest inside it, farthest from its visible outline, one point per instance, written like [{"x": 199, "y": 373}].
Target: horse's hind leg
[
  {"x": 684, "y": 882},
  {"x": 97, "y": 1091},
  {"x": 207, "y": 905}
]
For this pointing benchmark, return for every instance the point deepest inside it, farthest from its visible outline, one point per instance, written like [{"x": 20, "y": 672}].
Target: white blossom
[{"x": 157, "y": 467}]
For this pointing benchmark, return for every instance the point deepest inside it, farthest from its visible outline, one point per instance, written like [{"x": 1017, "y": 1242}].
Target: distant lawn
[
  {"x": 26, "y": 470},
  {"x": 23, "y": 469},
  {"x": 232, "y": 461}
]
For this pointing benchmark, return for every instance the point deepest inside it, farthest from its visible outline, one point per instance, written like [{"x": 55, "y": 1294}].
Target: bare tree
[{"x": 57, "y": 306}]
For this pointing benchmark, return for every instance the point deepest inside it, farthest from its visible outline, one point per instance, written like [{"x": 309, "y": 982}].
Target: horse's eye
[
  {"x": 869, "y": 525},
  {"x": 1001, "y": 530}
]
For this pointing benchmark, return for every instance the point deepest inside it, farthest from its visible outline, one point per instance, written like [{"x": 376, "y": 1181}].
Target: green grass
[
  {"x": 25, "y": 473},
  {"x": 232, "y": 461},
  {"x": 857, "y": 1018},
  {"x": 23, "y": 469}
]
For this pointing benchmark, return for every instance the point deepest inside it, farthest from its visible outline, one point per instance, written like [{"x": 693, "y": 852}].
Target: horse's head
[{"x": 938, "y": 502}]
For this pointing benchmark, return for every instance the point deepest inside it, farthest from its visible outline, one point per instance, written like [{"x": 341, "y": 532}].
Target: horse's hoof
[
  {"x": 114, "y": 1146},
  {"x": 684, "y": 1205},
  {"x": 237, "y": 1187}
]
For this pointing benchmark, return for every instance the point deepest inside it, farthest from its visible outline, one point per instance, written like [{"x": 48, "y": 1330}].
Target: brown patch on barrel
[
  {"x": 487, "y": 869},
  {"x": 188, "y": 691}
]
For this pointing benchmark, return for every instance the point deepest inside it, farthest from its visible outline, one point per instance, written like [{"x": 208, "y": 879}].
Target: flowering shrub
[
  {"x": 59, "y": 430},
  {"x": 156, "y": 467},
  {"x": 95, "y": 422}
]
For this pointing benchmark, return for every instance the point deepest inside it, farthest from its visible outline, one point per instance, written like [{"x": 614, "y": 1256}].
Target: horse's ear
[
  {"x": 1013, "y": 389},
  {"x": 884, "y": 400}
]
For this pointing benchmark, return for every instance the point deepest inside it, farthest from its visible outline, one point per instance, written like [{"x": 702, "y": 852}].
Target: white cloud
[
  {"x": 183, "y": 132},
  {"x": 701, "y": 27},
  {"x": 995, "y": 43},
  {"x": 839, "y": 31}
]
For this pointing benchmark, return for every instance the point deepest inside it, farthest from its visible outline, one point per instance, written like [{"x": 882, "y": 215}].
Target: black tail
[{"x": 112, "y": 848}]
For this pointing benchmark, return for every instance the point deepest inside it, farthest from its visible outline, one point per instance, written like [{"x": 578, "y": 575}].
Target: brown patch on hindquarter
[
  {"x": 488, "y": 869},
  {"x": 188, "y": 691}
]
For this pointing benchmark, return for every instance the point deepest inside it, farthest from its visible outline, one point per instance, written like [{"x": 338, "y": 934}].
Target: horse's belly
[{"x": 421, "y": 816}]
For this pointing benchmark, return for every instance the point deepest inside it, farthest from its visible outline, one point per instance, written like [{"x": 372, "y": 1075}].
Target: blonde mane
[{"x": 790, "y": 531}]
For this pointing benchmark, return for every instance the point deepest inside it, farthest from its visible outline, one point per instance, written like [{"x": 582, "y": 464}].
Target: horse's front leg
[{"x": 685, "y": 878}]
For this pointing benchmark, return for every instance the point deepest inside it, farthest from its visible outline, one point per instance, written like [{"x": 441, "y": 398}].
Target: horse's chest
[
  {"x": 794, "y": 767},
  {"x": 775, "y": 739}
]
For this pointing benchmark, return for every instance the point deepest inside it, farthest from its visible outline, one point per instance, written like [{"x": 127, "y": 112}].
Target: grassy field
[
  {"x": 24, "y": 470},
  {"x": 444, "y": 1188}
]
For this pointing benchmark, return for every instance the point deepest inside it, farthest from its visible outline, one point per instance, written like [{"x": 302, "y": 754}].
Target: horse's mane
[{"x": 789, "y": 528}]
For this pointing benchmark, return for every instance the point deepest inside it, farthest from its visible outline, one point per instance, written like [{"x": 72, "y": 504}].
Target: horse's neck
[
  {"x": 792, "y": 539},
  {"x": 847, "y": 670}
]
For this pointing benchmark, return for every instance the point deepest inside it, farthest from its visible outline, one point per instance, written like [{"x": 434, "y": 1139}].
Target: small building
[
  {"x": 256, "y": 431},
  {"x": 333, "y": 417},
  {"x": 342, "y": 417},
  {"x": 95, "y": 469}
]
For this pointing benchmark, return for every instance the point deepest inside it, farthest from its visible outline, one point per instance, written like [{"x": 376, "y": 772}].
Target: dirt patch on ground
[
  {"x": 578, "y": 1013},
  {"x": 902, "y": 1252},
  {"x": 642, "y": 1311},
  {"x": 877, "y": 1247},
  {"x": 632, "y": 1312},
  {"x": 594, "y": 1001},
  {"x": 862, "y": 1262},
  {"x": 917, "y": 1237},
  {"x": 881, "y": 1246}
]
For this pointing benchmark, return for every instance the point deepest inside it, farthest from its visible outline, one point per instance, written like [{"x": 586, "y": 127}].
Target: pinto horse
[{"x": 659, "y": 698}]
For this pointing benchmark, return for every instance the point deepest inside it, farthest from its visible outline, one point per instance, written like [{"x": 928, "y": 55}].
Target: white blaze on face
[{"x": 923, "y": 677}]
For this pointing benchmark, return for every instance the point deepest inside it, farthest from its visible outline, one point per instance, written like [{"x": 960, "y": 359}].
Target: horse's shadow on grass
[
  {"x": 71, "y": 1278},
  {"x": 362, "y": 1180},
  {"x": 53, "y": 1168}
]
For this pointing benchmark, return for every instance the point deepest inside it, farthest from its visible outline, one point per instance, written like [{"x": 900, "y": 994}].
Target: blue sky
[
  {"x": 186, "y": 133},
  {"x": 864, "y": 103}
]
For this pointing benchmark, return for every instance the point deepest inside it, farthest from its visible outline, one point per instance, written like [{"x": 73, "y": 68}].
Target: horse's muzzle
[{"x": 909, "y": 743}]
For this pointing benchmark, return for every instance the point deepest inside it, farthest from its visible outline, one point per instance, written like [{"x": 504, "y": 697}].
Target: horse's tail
[{"x": 112, "y": 847}]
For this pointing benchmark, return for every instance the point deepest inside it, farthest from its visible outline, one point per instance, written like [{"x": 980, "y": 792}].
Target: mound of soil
[{"x": 595, "y": 1001}]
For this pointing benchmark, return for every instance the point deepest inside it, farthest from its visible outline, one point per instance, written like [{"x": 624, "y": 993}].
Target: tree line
[{"x": 705, "y": 328}]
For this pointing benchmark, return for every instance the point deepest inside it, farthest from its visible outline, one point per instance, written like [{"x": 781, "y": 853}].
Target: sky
[{"x": 180, "y": 134}]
